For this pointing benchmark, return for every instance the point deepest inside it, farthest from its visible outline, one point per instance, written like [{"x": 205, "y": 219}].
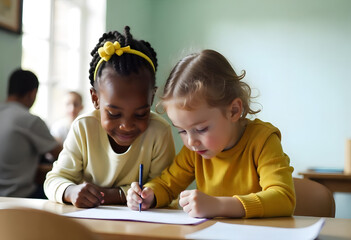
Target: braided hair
[{"x": 126, "y": 63}]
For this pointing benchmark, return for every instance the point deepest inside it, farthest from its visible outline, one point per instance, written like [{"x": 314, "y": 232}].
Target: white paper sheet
[
  {"x": 223, "y": 231},
  {"x": 168, "y": 216}
]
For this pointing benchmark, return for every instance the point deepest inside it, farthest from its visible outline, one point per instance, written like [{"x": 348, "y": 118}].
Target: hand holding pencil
[{"x": 139, "y": 198}]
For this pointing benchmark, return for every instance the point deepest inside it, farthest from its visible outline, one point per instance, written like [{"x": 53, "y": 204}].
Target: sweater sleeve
[
  {"x": 67, "y": 170},
  {"x": 173, "y": 179},
  {"x": 277, "y": 197}
]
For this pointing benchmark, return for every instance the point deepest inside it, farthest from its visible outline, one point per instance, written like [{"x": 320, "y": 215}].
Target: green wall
[
  {"x": 292, "y": 51},
  {"x": 10, "y": 58},
  {"x": 297, "y": 55}
]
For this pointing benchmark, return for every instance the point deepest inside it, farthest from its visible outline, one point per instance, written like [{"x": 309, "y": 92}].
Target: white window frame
[{"x": 92, "y": 26}]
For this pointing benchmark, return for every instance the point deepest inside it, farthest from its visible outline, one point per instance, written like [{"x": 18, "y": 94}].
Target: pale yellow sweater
[
  {"x": 88, "y": 156},
  {"x": 255, "y": 170}
]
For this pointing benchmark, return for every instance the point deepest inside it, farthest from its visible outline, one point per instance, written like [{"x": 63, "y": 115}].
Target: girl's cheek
[
  {"x": 185, "y": 140},
  {"x": 208, "y": 142},
  {"x": 144, "y": 126},
  {"x": 107, "y": 124}
]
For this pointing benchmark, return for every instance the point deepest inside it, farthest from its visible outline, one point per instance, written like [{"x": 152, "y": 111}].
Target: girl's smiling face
[
  {"x": 124, "y": 103},
  {"x": 207, "y": 130}
]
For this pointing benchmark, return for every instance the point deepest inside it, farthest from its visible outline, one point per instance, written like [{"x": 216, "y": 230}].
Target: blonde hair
[{"x": 208, "y": 76}]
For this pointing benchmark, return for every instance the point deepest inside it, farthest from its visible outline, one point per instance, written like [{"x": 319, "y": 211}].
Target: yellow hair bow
[{"x": 110, "y": 48}]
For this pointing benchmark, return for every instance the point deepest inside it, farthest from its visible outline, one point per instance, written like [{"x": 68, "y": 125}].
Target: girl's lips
[
  {"x": 126, "y": 137},
  {"x": 201, "y": 152}
]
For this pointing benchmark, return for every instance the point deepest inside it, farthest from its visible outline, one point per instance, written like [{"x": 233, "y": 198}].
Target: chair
[
  {"x": 313, "y": 199},
  {"x": 34, "y": 224}
]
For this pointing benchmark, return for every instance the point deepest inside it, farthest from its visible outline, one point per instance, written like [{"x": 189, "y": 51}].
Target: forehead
[
  {"x": 187, "y": 118},
  {"x": 113, "y": 86}
]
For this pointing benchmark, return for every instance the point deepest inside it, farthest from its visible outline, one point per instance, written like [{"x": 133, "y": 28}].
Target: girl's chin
[
  {"x": 205, "y": 154},
  {"x": 124, "y": 141}
]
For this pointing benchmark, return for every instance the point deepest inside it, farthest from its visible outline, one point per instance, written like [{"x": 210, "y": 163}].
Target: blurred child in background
[{"x": 73, "y": 106}]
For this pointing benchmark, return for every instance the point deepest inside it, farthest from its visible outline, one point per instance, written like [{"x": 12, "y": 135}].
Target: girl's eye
[
  {"x": 181, "y": 132},
  {"x": 113, "y": 115},
  {"x": 144, "y": 115},
  {"x": 202, "y": 130}
]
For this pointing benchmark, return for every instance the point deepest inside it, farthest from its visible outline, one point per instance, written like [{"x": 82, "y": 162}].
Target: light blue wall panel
[{"x": 297, "y": 55}]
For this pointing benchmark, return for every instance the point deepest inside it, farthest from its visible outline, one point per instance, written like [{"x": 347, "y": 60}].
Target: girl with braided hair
[{"x": 104, "y": 148}]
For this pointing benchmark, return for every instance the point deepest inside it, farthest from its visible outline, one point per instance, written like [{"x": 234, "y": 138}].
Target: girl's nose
[
  {"x": 126, "y": 125},
  {"x": 193, "y": 141}
]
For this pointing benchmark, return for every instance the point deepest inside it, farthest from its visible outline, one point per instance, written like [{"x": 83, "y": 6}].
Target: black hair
[
  {"x": 126, "y": 63},
  {"x": 21, "y": 82}
]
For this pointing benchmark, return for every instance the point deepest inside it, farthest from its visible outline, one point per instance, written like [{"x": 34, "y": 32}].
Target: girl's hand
[
  {"x": 85, "y": 195},
  {"x": 136, "y": 195},
  {"x": 198, "y": 204}
]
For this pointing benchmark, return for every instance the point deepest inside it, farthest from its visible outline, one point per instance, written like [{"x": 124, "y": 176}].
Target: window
[{"x": 58, "y": 36}]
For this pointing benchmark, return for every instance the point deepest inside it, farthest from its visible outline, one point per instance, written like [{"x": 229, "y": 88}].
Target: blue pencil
[{"x": 140, "y": 181}]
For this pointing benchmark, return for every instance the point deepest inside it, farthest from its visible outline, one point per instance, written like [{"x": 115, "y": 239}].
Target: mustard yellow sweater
[{"x": 255, "y": 170}]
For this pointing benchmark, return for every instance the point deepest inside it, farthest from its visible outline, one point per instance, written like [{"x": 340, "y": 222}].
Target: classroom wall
[
  {"x": 10, "y": 58},
  {"x": 297, "y": 55}
]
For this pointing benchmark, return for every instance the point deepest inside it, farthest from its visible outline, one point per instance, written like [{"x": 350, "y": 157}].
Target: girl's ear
[
  {"x": 236, "y": 109},
  {"x": 94, "y": 98}
]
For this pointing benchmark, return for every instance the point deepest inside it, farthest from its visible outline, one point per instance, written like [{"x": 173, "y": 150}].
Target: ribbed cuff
[
  {"x": 252, "y": 205},
  {"x": 60, "y": 191}
]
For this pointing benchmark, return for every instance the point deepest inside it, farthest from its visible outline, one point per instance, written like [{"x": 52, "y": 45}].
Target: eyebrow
[
  {"x": 194, "y": 124},
  {"x": 119, "y": 108}
]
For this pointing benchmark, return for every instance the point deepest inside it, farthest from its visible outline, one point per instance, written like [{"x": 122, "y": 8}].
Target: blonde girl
[{"x": 239, "y": 165}]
